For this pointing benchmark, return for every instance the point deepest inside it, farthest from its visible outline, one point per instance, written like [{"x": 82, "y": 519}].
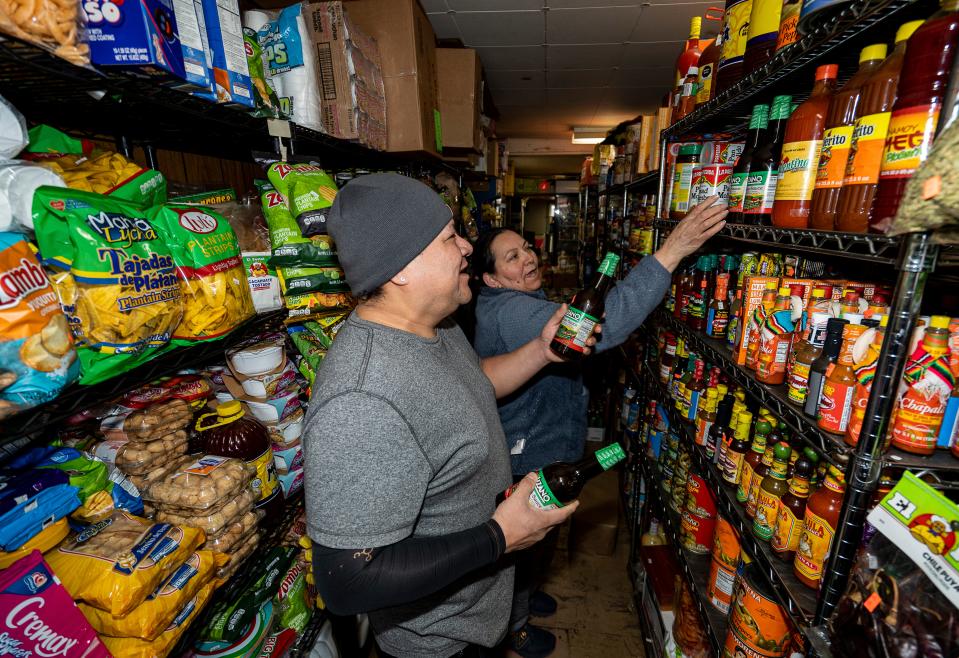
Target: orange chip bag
[
  {"x": 37, "y": 357},
  {"x": 152, "y": 617},
  {"x": 115, "y": 564}
]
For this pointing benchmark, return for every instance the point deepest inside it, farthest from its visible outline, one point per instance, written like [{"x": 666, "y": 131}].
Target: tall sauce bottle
[
  {"x": 735, "y": 33},
  {"x": 774, "y": 486},
  {"x": 736, "y": 451},
  {"x": 752, "y": 460},
  {"x": 865, "y": 368},
  {"x": 761, "y": 471},
  {"x": 837, "y": 140},
  {"x": 835, "y": 404},
  {"x": 819, "y": 526},
  {"x": 763, "y": 33},
  {"x": 792, "y": 508},
  {"x": 691, "y": 50},
  {"x": 817, "y": 370},
  {"x": 799, "y": 159},
  {"x": 924, "y": 391},
  {"x": 764, "y": 166},
  {"x": 925, "y": 75},
  {"x": 758, "y": 122},
  {"x": 708, "y": 63},
  {"x": 862, "y": 169}
]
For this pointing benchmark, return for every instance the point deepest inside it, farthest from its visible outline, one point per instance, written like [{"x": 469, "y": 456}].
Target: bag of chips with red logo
[{"x": 37, "y": 357}]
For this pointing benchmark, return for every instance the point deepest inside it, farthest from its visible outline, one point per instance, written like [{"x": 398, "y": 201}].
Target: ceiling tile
[
  {"x": 434, "y": 6},
  {"x": 581, "y": 78},
  {"x": 574, "y": 4},
  {"x": 444, "y": 26},
  {"x": 670, "y": 22},
  {"x": 596, "y": 56},
  {"x": 512, "y": 58},
  {"x": 593, "y": 25},
  {"x": 494, "y": 5},
  {"x": 644, "y": 55},
  {"x": 648, "y": 77},
  {"x": 501, "y": 28},
  {"x": 509, "y": 98},
  {"x": 577, "y": 96},
  {"x": 516, "y": 79}
]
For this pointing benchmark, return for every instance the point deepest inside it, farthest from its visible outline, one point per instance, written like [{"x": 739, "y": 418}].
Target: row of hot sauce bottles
[
  {"x": 820, "y": 338},
  {"x": 841, "y": 159}
]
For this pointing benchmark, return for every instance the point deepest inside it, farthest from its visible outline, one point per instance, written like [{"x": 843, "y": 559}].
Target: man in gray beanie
[{"x": 404, "y": 450}]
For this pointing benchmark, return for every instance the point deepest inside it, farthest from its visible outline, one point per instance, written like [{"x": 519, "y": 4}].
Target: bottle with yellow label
[
  {"x": 872, "y": 122},
  {"x": 915, "y": 116},
  {"x": 792, "y": 508},
  {"x": 799, "y": 158},
  {"x": 735, "y": 452},
  {"x": 819, "y": 526},
  {"x": 752, "y": 460},
  {"x": 774, "y": 486}
]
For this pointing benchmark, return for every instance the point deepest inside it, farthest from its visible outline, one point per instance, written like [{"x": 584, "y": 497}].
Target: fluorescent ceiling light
[{"x": 589, "y": 135}]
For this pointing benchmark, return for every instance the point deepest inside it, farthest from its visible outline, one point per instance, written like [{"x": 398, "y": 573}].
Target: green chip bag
[
  {"x": 265, "y": 100},
  {"x": 114, "y": 275},
  {"x": 295, "y": 280},
  {"x": 317, "y": 251},
  {"x": 282, "y": 227},
  {"x": 309, "y": 191},
  {"x": 213, "y": 283}
]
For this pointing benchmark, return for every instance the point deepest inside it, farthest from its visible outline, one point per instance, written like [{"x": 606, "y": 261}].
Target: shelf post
[
  {"x": 917, "y": 258},
  {"x": 661, "y": 188}
]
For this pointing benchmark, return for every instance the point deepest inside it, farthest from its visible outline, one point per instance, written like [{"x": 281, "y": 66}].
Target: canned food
[
  {"x": 696, "y": 533},
  {"x": 700, "y": 499},
  {"x": 722, "y": 572},
  {"x": 758, "y": 626},
  {"x": 710, "y": 180}
]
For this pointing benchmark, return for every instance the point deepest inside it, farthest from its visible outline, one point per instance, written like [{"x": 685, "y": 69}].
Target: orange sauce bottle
[
  {"x": 819, "y": 526},
  {"x": 756, "y": 323},
  {"x": 835, "y": 404},
  {"x": 799, "y": 159},
  {"x": 865, "y": 368},
  {"x": 776, "y": 339},
  {"x": 924, "y": 391},
  {"x": 837, "y": 140}
]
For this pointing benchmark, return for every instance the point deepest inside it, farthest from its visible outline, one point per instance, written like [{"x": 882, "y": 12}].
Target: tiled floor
[{"x": 596, "y": 617}]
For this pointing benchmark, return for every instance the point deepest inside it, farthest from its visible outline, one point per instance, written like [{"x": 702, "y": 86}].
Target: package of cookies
[
  {"x": 212, "y": 520},
  {"x": 37, "y": 356},
  {"x": 115, "y": 564},
  {"x": 138, "y": 458},
  {"x": 235, "y": 533},
  {"x": 147, "y": 414},
  {"x": 200, "y": 483},
  {"x": 114, "y": 275}
]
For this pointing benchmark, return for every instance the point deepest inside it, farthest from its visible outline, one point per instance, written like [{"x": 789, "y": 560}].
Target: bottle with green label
[
  {"x": 758, "y": 123},
  {"x": 559, "y": 484},
  {"x": 585, "y": 311},
  {"x": 764, "y": 167}
]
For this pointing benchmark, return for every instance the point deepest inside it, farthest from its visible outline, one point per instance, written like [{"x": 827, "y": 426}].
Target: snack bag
[
  {"x": 114, "y": 275},
  {"x": 263, "y": 281},
  {"x": 133, "y": 647},
  {"x": 264, "y": 96},
  {"x": 293, "y": 605},
  {"x": 43, "y": 541},
  {"x": 213, "y": 285},
  {"x": 295, "y": 280},
  {"x": 42, "y": 501},
  {"x": 37, "y": 356},
  {"x": 115, "y": 564},
  {"x": 280, "y": 224},
  {"x": 250, "y": 640},
  {"x": 154, "y": 616},
  {"x": 315, "y": 305},
  {"x": 42, "y": 619},
  {"x": 316, "y": 251},
  {"x": 309, "y": 192}
]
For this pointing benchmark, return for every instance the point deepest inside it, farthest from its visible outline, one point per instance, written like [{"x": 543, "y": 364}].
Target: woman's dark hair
[{"x": 483, "y": 261}]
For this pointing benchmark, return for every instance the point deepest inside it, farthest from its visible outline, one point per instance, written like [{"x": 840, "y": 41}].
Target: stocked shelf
[
  {"x": 941, "y": 469},
  {"x": 695, "y": 568},
  {"x": 791, "y": 68},
  {"x": 112, "y": 103},
  {"x": 798, "y": 600},
  {"x": 880, "y": 249},
  {"x": 643, "y": 181},
  {"x": 18, "y": 431}
]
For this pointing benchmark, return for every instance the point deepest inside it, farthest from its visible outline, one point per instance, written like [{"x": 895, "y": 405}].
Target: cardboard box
[
  {"x": 596, "y": 523},
  {"x": 459, "y": 92},
  {"x": 648, "y": 144},
  {"x": 231, "y": 73},
  {"x": 159, "y": 38},
  {"x": 753, "y": 289},
  {"x": 407, "y": 48},
  {"x": 351, "y": 80}
]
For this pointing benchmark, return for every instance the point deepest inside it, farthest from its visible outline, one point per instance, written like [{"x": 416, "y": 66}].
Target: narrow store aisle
[{"x": 595, "y": 618}]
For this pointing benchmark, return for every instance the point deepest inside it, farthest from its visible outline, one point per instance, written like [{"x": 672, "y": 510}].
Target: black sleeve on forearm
[{"x": 363, "y": 579}]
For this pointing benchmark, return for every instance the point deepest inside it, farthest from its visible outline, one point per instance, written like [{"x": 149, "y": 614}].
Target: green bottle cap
[
  {"x": 759, "y": 118},
  {"x": 610, "y": 456},
  {"x": 782, "y": 108},
  {"x": 782, "y": 452},
  {"x": 690, "y": 149},
  {"x": 812, "y": 455}
]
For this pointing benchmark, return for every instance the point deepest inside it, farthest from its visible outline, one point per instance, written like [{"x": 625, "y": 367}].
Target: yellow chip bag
[
  {"x": 213, "y": 281},
  {"x": 133, "y": 647},
  {"x": 152, "y": 617},
  {"x": 115, "y": 564},
  {"x": 114, "y": 275}
]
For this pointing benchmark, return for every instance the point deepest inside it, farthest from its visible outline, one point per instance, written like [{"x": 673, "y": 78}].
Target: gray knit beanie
[{"x": 380, "y": 222}]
